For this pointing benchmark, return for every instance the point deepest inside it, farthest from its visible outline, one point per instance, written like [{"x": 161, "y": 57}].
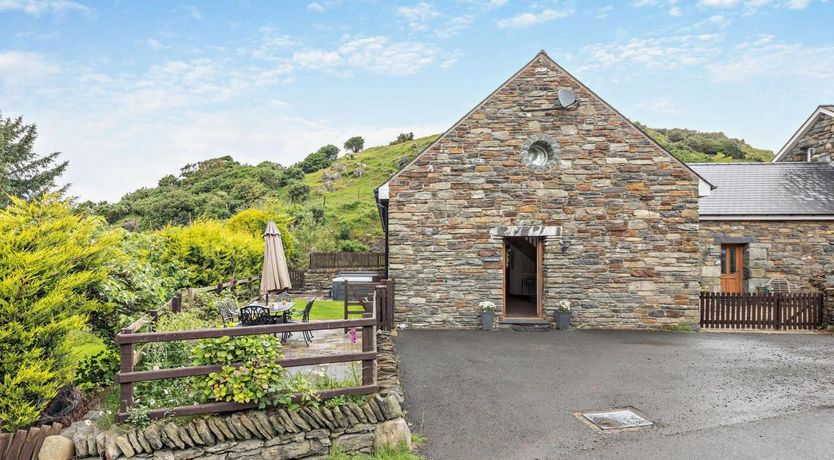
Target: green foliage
[
  {"x": 51, "y": 264},
  {"x": 24, "y": 173},
  {"x": 253, "y": 221},
  {"x": 137, "y": 417},
  {"x": 351, "y": 246},
  {"x": 209, "y": 252},
  {"x": 166, "y": 355},
  {"x": 403, "y": 137},
  {"x": 215, "y": 188},
  {"x": 699, "y": 147},
  {"x": 355, "y": 144},
  {"x": 259, "y": 383},
  {"x": 258, "y": 380},
  {"x": 97, "y": 371},
  {"x": 230, "y": 350},
  {"x": 298, "y": 192},
  {"x": 139, "y": 281},
  {"x": 388, "y": 453}
]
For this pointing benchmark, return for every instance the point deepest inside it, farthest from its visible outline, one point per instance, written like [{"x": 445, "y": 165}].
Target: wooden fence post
[
  {"x": 777, "y": 311},
  {"x": 176, "y": 302},
  {"x": 368, "y": 345},
  {"x": 125, "y": 389}
]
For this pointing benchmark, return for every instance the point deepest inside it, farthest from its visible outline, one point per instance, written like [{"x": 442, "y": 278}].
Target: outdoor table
[
  {"x": 283, "y": 309},
  {"x": 275, "y": 309}
]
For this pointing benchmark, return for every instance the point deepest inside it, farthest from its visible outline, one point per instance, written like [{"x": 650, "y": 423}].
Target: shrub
[
  {"x": 351, "y": 246},
  {"x": 298, "y": 192},
  {"x": 97, "y": 371},
  {"x": 209, "y": 252},
  {"x": 230, "y": 350},
  {"x": 253, "y": 221},
  {"x": 51, "y": 264}
]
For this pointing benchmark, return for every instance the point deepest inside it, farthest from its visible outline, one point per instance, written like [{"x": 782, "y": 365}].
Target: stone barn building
[{"x": 542, "y": 193}]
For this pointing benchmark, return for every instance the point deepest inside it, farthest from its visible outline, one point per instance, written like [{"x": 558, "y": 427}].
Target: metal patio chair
[
  {"x": 255, "y": 316},
  {"x": 305, "y": 318}
]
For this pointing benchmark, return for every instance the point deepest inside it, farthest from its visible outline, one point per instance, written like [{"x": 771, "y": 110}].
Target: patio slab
[
  {"x": 506, "y": 394},
  {"x": 327, "y": 342}
]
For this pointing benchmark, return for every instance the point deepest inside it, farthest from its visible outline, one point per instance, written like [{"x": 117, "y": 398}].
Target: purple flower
[{"x": 353, "y": 335}]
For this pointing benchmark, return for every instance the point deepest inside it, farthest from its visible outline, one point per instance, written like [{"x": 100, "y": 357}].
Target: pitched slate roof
[{"x": 768, "y": 189}]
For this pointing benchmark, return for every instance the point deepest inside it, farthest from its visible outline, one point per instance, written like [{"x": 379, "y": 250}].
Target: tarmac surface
[{"x": 516, "y": 395}]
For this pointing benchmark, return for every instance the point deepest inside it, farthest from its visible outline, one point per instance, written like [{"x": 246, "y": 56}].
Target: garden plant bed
[{"x": 273, "y": 433}]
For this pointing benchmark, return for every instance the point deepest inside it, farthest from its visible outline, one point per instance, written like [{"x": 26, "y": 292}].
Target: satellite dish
[{"x": 566, "y": 97}]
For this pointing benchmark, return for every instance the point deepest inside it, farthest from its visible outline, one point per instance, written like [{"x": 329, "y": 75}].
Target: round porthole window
[{"x": 540, "y": 152}]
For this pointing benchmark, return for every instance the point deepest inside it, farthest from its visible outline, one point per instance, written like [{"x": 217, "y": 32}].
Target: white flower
[
  {"x": 564, "y": 305},
  {"x": 486, "y": 305}
]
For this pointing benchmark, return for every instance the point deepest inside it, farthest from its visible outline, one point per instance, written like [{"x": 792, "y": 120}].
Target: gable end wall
[
  {"x": 820, "y": 137},
  {"x": 627, "y": 209}
]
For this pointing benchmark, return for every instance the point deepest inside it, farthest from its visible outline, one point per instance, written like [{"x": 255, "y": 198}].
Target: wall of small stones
[
  {"x": 628, "y": 210},
  {"x": 269, "y": 434},
  {"x": 323, "y": 278},
  {"x": 793, "y": 250},
  {"x": 820, "y": 137}
]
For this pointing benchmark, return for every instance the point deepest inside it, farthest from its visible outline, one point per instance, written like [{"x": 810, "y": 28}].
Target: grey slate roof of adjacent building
[{"x": 767, "y": 189}]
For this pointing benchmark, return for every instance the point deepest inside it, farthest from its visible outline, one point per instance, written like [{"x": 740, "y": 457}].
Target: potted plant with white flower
[
  {"x": 563, "y": 314},
  {"x": 487, "y": 314}
]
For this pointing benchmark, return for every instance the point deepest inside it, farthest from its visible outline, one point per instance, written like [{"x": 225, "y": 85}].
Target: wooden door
[
  {"x": 539, "y": 276},
  {"x": 732, "y": 268}
]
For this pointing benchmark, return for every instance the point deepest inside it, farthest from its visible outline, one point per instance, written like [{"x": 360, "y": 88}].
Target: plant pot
[
  {"x": 563, "y": 319},
  {"x": 487, "y": 318}
]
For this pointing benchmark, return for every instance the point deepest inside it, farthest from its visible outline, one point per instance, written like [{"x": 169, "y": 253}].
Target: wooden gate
[{"x": 794, "y": 311}]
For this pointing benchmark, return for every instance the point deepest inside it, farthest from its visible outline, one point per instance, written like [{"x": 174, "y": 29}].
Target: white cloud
[
  {"x": 667, "y": 52},
  {"x": 19, "y": 68},
  {"x": 798, "y": 4},
  {"x": 155, "y": 44},
  {"x": 380, "y": 55},
  {"x": 453, "y": 26},
  {"x": 315, "y": 6},
  {"x": 765, "y": 58},
  {"x": 38, "y": 7},
  {"x": 496, "y": 4},
  {"x": 418, "y": 16},
  {"x": 525, "y": 20},
  {"x": 659, "y": 106},
  {"x": 317, "y": 59},
  {"x": 375, "y": 54},
  {"x": 603, "y": 12}
]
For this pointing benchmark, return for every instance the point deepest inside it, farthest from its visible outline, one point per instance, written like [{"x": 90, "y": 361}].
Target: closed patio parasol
[{"x": 276, "y": 275}]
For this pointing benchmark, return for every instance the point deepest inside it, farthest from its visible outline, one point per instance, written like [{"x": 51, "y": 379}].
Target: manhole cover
[{"x": 616, "y": 419}]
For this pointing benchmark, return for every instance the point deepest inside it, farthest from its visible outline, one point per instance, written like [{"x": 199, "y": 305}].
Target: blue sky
[{"x": 130, "y": 91}]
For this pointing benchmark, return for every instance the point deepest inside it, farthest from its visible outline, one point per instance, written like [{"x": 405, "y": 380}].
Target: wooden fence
[
  {"x": 26, "y": 444},
  {"x": 777, "y": 311},
  {"x": 378, "y": 297},
  {"x": 297, "y": 278},
  {"x": 343, "y": 260},
  {"x": 130, "y": 337}
]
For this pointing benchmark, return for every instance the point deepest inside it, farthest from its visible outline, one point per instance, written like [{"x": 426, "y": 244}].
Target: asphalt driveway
[{"x": 513, "y": 395}]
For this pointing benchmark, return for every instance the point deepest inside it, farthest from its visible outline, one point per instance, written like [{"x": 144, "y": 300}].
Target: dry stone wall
[
  {"x": 625, "y": 212},
  {"x": 310, "y": 432}
]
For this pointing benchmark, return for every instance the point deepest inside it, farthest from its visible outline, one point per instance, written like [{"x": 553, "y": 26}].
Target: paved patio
[
  {"x": 484, "y": 395},
  {"x": 325, "y": 343}
]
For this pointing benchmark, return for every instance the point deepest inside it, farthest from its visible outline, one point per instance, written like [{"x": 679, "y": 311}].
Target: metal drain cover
[{"x": 616, "y": 419}]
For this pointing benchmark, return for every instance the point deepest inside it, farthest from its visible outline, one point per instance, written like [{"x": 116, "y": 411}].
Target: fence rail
[
  {"x": 377, "y": 313},
  {"x": 342, "y": 260},
  {"x": 777, "y": 311}
]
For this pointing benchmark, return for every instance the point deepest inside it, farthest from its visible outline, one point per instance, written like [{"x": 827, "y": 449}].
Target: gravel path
[{"x": 484, "y": 395}]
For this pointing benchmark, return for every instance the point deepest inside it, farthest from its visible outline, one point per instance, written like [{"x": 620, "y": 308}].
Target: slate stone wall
[
  {"x": 820, "y": 137},
  {"x": 794, "y": 250},
  {"x": 627, "y": 211}
]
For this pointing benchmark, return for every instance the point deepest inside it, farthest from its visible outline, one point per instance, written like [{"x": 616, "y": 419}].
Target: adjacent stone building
[
  {"x": 814, "y": 141},
  {"x": 543, "y": 193},
  {"x": 765, "y": 222}
]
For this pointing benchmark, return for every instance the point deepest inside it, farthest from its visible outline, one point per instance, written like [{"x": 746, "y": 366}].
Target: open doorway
[{"x": 523, "y": 276}]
